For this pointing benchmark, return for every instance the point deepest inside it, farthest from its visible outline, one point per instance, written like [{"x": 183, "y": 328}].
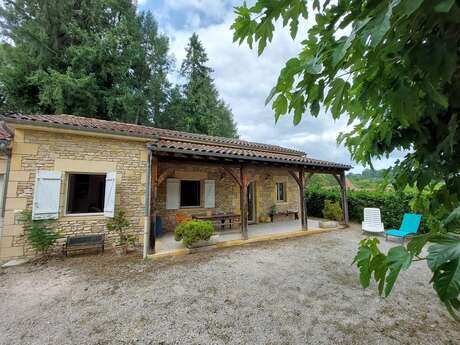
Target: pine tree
[
  {"x": 204, "y": 111},
  {"x": 90, "y": 58}
]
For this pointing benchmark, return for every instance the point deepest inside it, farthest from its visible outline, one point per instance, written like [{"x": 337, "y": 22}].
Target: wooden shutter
[
  {"x": 109, "y": 198},
  {"x": 46, "y": 195},
  {"x": 209, "y": 194},
  {"x": 172, "y": 194}
]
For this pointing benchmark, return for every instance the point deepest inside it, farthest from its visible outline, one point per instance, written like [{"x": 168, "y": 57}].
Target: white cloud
[{"x": 244, "y": 80}]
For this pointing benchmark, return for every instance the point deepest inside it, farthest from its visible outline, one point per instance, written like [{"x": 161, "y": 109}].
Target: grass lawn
[{"x": 298, "y": 291}]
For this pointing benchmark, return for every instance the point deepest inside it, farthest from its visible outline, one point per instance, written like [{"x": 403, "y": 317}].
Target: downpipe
[{"x": 147, "y": 205}]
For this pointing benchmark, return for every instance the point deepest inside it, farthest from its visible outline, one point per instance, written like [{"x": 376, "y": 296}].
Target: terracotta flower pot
[
  {"x": 203, "y": 243},
  {"x": 121, "y": 249}
]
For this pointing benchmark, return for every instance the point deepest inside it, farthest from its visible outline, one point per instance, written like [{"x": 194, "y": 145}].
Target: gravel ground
[{"x": 298, "y": 291}]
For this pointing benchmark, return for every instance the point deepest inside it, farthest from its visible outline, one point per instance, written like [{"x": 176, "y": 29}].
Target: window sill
[{"x": 83, "y": 216}]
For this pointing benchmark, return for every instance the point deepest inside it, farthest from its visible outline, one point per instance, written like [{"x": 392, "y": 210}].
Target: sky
[{"x": 245, "y": 79}]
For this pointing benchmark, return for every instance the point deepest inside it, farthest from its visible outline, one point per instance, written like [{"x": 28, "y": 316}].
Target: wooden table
[{"x": 220, "y": 220}]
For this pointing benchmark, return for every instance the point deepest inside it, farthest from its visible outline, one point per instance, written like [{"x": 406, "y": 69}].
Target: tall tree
[
  {"x": 203, "y": 111},
  {"x": 394, "y": 68},
  {"x": 88, "y": 57},
  {"x": 158, "y": 62}
]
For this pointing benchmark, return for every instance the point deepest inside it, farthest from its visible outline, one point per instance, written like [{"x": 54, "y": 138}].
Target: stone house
[{"x": 79, "y": 171}]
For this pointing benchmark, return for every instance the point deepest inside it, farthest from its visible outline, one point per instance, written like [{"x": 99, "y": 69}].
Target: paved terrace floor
[{"x": 167, "y": 243}]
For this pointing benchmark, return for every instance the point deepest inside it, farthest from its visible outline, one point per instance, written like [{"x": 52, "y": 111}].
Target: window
[
  {"x": 281, "y": 191},
  {"x": 86, "y": 193},
  {"x": 190, "y": 193}
]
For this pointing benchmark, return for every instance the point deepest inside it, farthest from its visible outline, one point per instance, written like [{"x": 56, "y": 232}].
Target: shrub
[
  {"x": 392, "y": 205},
  {"x": 120, "y": 224},
  {"x": 40, "y": 233},
  {"x": 192, "y": 231},
  {"x": 332, "y": 210}
]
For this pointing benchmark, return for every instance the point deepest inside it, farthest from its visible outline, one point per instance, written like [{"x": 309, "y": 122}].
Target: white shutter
[
  {"x": 46, "y": 195},
  {"x": 172, "y": 194},
  {"x": 109, "y": 199},
  {"x": 210, "y": 194}
]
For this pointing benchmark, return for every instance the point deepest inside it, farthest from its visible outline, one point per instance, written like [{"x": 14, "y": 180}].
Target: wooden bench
[
  {"x": 84, "y": 242},
  {"x": 286, "y": 214}
]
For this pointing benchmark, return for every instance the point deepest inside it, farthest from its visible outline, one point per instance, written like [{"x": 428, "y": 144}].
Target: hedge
[{"x": 392, "y": 205}]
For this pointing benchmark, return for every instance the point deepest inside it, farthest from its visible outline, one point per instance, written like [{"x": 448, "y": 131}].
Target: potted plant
[
  {"x": 194, "y": 233},
  {"x": 272, "y": 212},
  {"x": 40, "y": 233},
  {"x": 119, "y": 224},
  {"x": 333, "y": 212}
]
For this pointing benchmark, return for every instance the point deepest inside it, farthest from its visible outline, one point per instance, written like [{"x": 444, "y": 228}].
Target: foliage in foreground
[
  {"x": 192, "y": 231},
  {"x": 40, "y": 233},
  {"x": 393, "y": 68},
  {"x": 443, "y": 261}
]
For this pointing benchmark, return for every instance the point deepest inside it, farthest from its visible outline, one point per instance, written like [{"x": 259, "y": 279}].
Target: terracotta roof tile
[
  {"x": 181, "y": 142},
  {"x": 136, "y": 130},
  {"x": 5, "y": 133},
  {"x": 208, "y": 149}
]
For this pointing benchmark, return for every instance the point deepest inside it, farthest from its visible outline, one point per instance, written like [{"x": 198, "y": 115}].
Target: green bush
[
  {"x": 119, "y": 224},
  {"x": 332, "y": 211},
  {"x": 40, "y": 233},
  {"x": 192, "y": 231},
  {"x": 391, "y": 204}
]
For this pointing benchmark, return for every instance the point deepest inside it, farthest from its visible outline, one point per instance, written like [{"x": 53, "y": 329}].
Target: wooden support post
[
  {"x": 344, "y": 198},
  {"x": 303, "y": 211},
  {"x": 153, "y": 205},
  {"x": 244, "y": 202}
]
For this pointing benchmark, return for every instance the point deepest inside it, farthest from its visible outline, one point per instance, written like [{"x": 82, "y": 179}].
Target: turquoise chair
[{"x": 409, "y": 226}]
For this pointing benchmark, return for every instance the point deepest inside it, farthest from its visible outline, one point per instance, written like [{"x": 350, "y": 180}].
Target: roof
[
  {"x": 5, "y": 133},
  {"x": 78, "y": 122},
  {"x": 230, "y": 152},
  {"x": 178, "y": 142}
]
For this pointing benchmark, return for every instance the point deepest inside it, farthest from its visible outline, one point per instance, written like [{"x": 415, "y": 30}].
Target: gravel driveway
[{"x": 298, "y": 291}]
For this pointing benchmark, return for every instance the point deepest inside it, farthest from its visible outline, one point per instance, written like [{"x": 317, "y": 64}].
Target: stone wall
[
  {"x": 45, "y": 150},
  {"x": 227, "y": 195}
]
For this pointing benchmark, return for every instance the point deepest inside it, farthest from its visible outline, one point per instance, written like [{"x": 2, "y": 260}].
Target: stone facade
[
  {"x": 47, "y": 150},
  {"x": 227, "y": 192},
  {"x": 83, "y": 152}
]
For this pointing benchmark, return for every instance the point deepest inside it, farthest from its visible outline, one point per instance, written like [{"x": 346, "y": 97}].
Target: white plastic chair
[{"x": 372, "y": 221}]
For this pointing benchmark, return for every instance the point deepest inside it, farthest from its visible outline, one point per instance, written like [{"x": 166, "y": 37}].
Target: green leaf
[
  {"x": 436, "y": 96},
  {"x": 410, "y": 6},
  {"x": 280, "y": 105},
  {"x": 398, "y": 258},
  {"x": 363, "y": 260},
  {"x": 453, "y": 216},
  {"x": 417, "y": 243},
  {"x": 379, "y": 26},
  {"x": 444, "y": 6},
  {"x": 315, "y": 108},
  {"x": 337, "y": 96},
  {"x": 446, "y": 247},
  {"x": 299, "y": 106},
  {"x": 313, "y": 66},
  {"x": 271, "y": 95},
  {"x": 340, "y": 51},
  {"x": 379, "y": 267}
]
